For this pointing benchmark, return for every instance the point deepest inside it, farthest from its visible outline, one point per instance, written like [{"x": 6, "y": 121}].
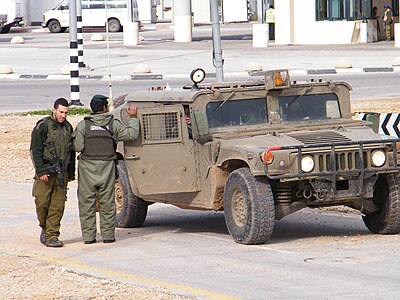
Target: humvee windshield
[
  {"x": 236, "y": 112},
  {"x": 309, "y": 107}
]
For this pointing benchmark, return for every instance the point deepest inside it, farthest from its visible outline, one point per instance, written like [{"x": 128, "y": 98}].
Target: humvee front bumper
[{"x": 336, "y": 160}]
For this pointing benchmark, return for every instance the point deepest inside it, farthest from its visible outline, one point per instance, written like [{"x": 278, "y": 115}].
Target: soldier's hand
[
  {"x": 44, "y": 178},
  {"x": 132, "y": 110}
]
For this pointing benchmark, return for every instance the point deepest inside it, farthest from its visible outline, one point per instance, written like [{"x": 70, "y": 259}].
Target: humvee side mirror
[{"x": 200, "y": 126}]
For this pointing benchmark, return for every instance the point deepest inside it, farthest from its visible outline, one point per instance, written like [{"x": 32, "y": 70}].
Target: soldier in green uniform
[
  {"x": 54, "y": 162},
  {"x": 388, "y": 20},
  {"x": 96, "y": 137}
]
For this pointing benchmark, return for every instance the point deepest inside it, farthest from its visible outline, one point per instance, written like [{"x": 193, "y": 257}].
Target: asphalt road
[
  {"x": 312, "y": 254},
  {"x": 33, "y": 94}
]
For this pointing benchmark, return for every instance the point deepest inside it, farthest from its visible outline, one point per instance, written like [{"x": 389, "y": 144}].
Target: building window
[{"x": 350, "y": 10}]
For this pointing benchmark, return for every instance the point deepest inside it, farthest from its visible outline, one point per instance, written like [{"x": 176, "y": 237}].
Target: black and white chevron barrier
[{"x": 388, "y": 123}]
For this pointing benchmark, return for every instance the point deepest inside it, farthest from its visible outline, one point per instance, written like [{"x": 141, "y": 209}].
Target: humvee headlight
[
  {"x": 198, "y": 75},
  {"x": 378, "y": 158},
  {"x": 307, "y": 164}
]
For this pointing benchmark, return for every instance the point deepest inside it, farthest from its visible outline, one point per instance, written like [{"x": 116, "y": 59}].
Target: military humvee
[{"x": 259, "y": 151}]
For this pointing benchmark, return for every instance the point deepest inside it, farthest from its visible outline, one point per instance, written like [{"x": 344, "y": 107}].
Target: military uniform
[
  {"x": 50, "y": 138},
  {"x": 95, "y": 137},
  {"x": 388, "y": 19}
]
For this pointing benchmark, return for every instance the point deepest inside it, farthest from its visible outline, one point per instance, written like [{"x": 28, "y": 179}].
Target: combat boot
[
  {"x": 43, "y": 238},
  {"x": 54, "y": 242}
]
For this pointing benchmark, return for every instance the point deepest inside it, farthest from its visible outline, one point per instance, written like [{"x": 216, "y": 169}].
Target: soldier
[
  {"x": 95, "y": 137},
  {"x": 54, "y": 163},
  {"x": 388, "y": 20},
  {"x": 270, "y": 20}
]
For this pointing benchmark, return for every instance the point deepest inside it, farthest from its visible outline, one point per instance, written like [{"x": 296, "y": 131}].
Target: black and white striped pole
[
  {"x": 73, "y": 55},
  {"x": 79, "y": 33}
]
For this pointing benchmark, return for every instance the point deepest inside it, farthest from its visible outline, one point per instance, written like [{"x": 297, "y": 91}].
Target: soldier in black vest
[
  {"x": 54, "y": 163},
  {"x": 96, "y": 137}
]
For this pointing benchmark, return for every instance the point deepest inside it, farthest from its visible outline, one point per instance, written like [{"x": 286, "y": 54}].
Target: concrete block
[
  {"x": 253, "y": 67},
  {"x": 141, "y": 69},
  {"x": 396, "y": 61},
  {"x": 6, "y": 69},
  {"x": 17, "y": 40},
  {"x": 97, "y": 37},
  {"x": 65, "y": 70},
  {"x": 343, "y": 64}
]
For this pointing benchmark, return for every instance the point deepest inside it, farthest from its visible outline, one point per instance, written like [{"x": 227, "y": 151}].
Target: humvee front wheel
[
  {"x": 131, "y": 210},
  {"x": 386, "y": 196},
  {"x": 249, "y": 207}
]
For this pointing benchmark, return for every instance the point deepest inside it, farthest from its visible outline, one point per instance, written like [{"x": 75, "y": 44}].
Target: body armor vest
[{"x": 99, "y": 142}]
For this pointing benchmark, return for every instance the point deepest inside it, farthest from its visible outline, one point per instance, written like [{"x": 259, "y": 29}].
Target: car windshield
[
  {"x": 237, "y": 112},
  {"x": 309, "y": 107}
]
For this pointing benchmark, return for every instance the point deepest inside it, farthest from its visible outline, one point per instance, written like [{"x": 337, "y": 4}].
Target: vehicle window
[
  {"x": 309, "y": 107},
  {"x": 161, "y": 128},
  {"x": 85, "y": 4},
  {"x": 237, "y": 112}
]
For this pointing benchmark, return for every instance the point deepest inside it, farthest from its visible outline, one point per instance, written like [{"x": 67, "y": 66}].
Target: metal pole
[
  {"x": 110, "y": 95},
  {"x": 216, "y": 35},
  {"x": 79, "y": 33},
  {"x": 73, "y": 55}
]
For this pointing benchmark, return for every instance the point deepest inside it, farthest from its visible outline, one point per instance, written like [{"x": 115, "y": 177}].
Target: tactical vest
[
  {"x": 58, "y": 140},
  {"x": 99, "y": 141}
]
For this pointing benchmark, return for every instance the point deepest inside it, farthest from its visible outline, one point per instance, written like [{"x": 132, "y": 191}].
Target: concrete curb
[{"x": 151, "y": 76}]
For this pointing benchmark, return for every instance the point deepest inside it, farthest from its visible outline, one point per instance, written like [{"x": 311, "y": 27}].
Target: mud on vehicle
[{"x": 259, "y": 151}]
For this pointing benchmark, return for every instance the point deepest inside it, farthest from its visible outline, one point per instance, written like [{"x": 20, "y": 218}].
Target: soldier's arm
[
  {"x": 78, "y": 137},
  {"x": 38, "y": 137},
  {"x": 126, "y": 132}
]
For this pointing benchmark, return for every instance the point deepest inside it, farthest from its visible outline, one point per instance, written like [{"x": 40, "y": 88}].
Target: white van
[{"x": 93, "y": 15}]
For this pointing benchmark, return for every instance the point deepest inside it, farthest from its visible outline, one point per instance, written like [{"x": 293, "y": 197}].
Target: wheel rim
[
  {"x": 119, "y": 197},
  {"x": 239, "y": 209}
]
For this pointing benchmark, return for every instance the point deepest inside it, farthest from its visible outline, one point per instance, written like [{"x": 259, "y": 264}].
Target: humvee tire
[
  {"x": 249, "y": 207},
  {"x": 5, "y": 29},
  {"x": 131, "y": 210},
  {"x": 386, "y": 195}
]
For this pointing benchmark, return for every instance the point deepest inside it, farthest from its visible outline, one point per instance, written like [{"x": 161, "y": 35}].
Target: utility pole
[
  {"x": 131, "y": 26},
  {"x": 216, "y": 36},
  {"x": 79, "y": 33},
  {"x": 73, "y": 55}
]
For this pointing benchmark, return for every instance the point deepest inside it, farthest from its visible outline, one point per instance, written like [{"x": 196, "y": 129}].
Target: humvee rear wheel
[
  {"x": 386, "y": 196},
  {"x": 131, "y": 210},
  {"x": 249, "y": 207}
]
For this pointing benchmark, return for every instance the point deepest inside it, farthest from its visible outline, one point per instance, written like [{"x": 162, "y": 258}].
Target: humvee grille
[
  {"x": 319, "y": 137},
  {"x": 346, "y": 161},
  {"x": 161, "y": 127}
]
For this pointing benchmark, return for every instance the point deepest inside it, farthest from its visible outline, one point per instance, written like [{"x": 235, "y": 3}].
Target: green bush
[{"x": 71, "y": 112}]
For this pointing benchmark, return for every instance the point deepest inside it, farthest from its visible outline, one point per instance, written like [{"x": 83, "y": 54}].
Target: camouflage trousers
[
  {"x": 388, "y": 29},
  {"x": 50, "y": 203},
  {"x": 96, "y": 180}
]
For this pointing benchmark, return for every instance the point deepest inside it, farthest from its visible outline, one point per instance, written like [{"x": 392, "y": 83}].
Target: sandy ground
[{"x": 22, "y": 277}]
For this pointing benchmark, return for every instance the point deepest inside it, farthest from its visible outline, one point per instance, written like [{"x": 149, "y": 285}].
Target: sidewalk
[{"x": 43, "y": 55}]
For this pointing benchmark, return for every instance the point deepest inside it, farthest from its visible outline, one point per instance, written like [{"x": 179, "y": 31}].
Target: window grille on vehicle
[{"x": 161, "y": 128}]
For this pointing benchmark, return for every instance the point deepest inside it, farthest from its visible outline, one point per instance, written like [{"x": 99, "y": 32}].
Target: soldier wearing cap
[
  {"x": 95, "y": 137},
  {"x": 388, "y": 21}
]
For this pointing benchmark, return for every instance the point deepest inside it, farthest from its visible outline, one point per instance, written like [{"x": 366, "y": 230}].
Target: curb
[{"x": 350, "y": 71}]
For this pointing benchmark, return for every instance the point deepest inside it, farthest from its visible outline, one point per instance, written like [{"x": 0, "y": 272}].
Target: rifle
[{"x": 55, "y": 164}]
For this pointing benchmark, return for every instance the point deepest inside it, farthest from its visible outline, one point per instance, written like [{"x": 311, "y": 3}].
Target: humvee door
[{"x": 163, "y": 160}]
